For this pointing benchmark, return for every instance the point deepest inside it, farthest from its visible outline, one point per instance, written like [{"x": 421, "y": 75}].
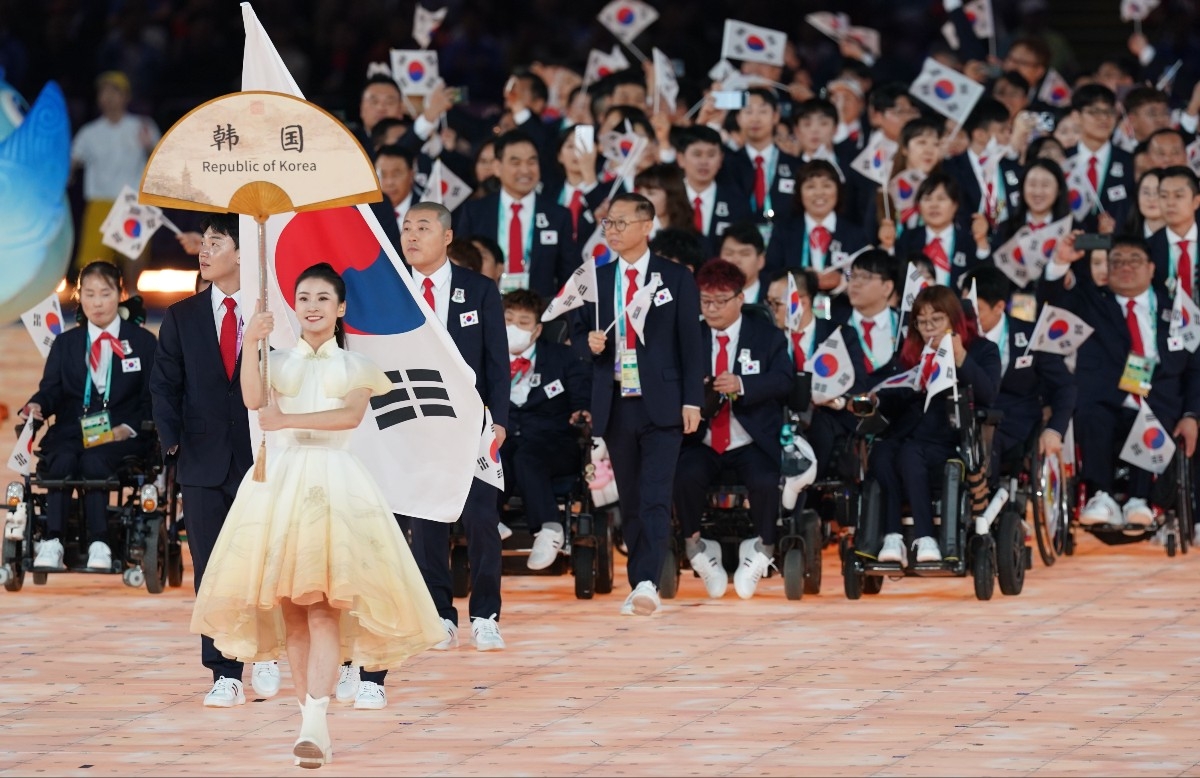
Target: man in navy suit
[
  {"x": 646, "y": 391},
  {"x": 535, "y": 233},
  {"x": 742, "y": 245},
  {"x": 715, "y": 206},
  {"x": 751, "y": 370},
  {"x": 395, "y": 167},
  {"x": 952, "y": 249},
  {"x": 1174, "y": 247},
  {"x": 1108, "y": 169},
  {"x": 1131, "y": 318},
  {"x": 984, "y": 189},
  {"x": 764, "y": 175},
  {"x": 550, "y": 389},
  {"x": 201, "y": 419}
]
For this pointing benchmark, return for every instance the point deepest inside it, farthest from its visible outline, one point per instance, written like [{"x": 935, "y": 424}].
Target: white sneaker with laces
[
  {"x": 225, "y": 693},
  {"x": 893, "y": 549},
  {"x": 370, "y": 696},
  {"x": 486, "y": 634},
  {"x": 1136, "y": 511},
  {"x": 451, "y": 640},
  {"x": 1101, "y": 509},
  {"x": 749, "y": 573},
  {"x": 707, "y": 565},
  {"x": 347, "y": 685},
  {"x": 546, "y": 545},
  {"x": 927, "y": 550},
  {"x": 49, "y": 555},
  {"x": 644, "y": 599},
  {"x": 746, "y": 550},
  {"x": 505, "y": 530},
  {"x": 264, "y": 679},
  {"x": 99, "y": 556}
]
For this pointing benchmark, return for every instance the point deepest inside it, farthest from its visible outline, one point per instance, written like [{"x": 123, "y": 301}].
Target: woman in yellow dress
[{"x": 311, "y": 561}]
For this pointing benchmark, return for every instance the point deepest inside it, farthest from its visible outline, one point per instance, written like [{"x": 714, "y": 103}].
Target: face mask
[{"x": 518, "y": 339}]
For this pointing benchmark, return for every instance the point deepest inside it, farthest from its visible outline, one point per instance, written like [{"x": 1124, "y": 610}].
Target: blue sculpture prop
[{"x": 36, "y": 232}]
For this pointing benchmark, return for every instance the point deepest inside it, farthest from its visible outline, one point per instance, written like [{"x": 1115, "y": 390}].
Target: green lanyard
[
  {"x": 520, "y": 376},
  {"x": 87, "y": 383},
  {"x": 875, "y": 364}
]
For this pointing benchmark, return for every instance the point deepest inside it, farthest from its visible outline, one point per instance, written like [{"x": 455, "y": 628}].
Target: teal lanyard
[
  {"x": 895, "y": 323},
  {"x": 1003, "y": 344},
  {"x": 1173, "y": 253},
  {"x": 521, "y": 375},
  {"x": 87, "y": 383},
  {"x": 527, "y": 240},
  {"x": 619, "y": 305}
]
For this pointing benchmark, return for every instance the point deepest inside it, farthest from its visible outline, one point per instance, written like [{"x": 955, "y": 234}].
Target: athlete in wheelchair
[
  {"x": 95, "y": 388},
  {"x": 1137, "y": 381}
]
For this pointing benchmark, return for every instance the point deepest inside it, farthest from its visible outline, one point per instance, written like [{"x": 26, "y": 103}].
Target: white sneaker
[
  {"x": 99, "y": 556},
  {"x": 749, "y": 573},
  {"x": 505, "y": 530},
  {"x": 893, "y": 549},
  {"x": 486, "y": 633},
  {"x": 451, "y": 640},
  {"x": 643, "y": 600},
  {"x": 370, "y": 696},
  {"x": 707, "y": 565},
  {"x": 1136, "y": 511},
  {"x": 746, "y": 550},
  {"x": 347, "y": 685},
  {"x": 264, "y": 679},
  {"x": 1101, "y": 509},
  {"x": 226, "y": 693},
  {"x": 546, "y": 545},
  {"x": 49, "y": 555},
  {"x": 927, "y": 550}
]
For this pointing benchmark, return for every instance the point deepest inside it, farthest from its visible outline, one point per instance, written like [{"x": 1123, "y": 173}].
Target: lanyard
[
  {"x": 1003, "y": 344},
  {"x": 522, "y": 375},
  {"x": 87, "y": 383},
  {"x": 769, "y": 160},
  {"x": 619, "y": 305},
  {"x": 1173, "y": 254},
  {"x": 505, "y": 222},
  {"x": 875, "y": 364}
]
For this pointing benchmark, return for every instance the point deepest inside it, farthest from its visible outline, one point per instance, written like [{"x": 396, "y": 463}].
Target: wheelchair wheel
[
  {"x": 983, "y": 566},
  {"x": 793, "y": 574},
  {"x": 1172, "y": 544},
  {"x": 14, "y": 577},
  {"x": 852, "y": 579},
  {"x": 668, "y": 580},
  {"x": 460, "y": 571},
  {"x": 154, "y": 560},
  {"x": 583, "y": 564},
  {"x": 1048, "y": 512},
  {"x": 814, "y": 541},
  {"x": 1010, "y": 553},
  {"x": 39, "y": 579},
  {"x": 605, "y": 552},
  {"x": 872, "y": 584},
  {"x": 174, "y": 565}
]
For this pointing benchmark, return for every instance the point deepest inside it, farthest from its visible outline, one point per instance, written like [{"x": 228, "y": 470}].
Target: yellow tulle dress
[{"x": 317, "y": 528}]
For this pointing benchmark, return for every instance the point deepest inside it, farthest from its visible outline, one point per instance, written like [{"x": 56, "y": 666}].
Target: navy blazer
[
  {"x": 563, "y": 387},
  {"x": 1160, "y": 255},
  {"x": 729, "y": 207},
  {"x": 1028, "y": 386},
  {"x": 1175, "y": 385},
  {"x": 790, "y": 236},
  {"x": 195, "y": 406},
  {"x": 554, "y": 254},
  {"x": 1117, "y": 192},
  {"x": 737, "y": 171},
  {"x": 553, "y": 191},
  {"x": 60, "y": 393},
  {"x": 476, "y": 325},
  {"x": 672, "y": 362},
  {"x": 905, "y": 408},
  {"x": 959, "y": 167},
  {"x": 963, "y": 259},
  {"x": 759, "y": 409},
  {"x": 386, "y": 215}
]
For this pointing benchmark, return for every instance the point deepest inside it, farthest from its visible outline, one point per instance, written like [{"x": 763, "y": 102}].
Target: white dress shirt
[
  {"x": 1173, "y": 248},
  {"x": 708, "y": 200},
  {"x": 738, "y": 436},
  {"x": 883, "y": 339},
  {"x": 100, "y": 374},
  {"x": 218, "y": 305},
  {"x": 947, "y": 238},
  {"x": 441, "y": 289},
  {"x": 819, "y": 263},
  {"x": 1102, "y": 155},
  {"x": 998, "y": 335},
  {"x": 518, "y": 394},
  {"x": 528, "y": 218}
]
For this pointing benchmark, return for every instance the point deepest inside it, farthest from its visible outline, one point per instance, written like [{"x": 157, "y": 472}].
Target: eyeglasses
[
  {"x": 1126, "y": 262},
  {"x": 938, "y": 322},
  {"x": 714, "y": 302},
  {"x": 619, "y": 225},
  {"x": 862, "y": 276},
  {"x": 1096, "y": 112},
  {"x": 903, "y": 113}
]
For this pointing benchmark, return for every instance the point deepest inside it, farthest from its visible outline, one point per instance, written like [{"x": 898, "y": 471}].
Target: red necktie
[
  {"x": 229, "y": 337},
  {"x": 927, "y": 368},
  {"x": 518, "y": 367},
  {"x": 1135, "y": 330},
  {"x": 94, "y": 357},
  {"x": 516, "y": 241},
  {"x": 1185, "y": 268},
  {"x": 854, "y": 136},
  {"x": 989, "y": 194},
  {"x": 698, "y": 215},
  {"x": 760, "y": 183},
  {"x": 818, "y": 243},
  {"x": 720, "y": 423},
  {"x": 867, "y": 326},
  {"x": 576, "y": 209},
  {"x": 428, "y": 284},
  {"x": 937, "y": 254},
  {"x": 798, "y": 355},
  {"x": 631, "y": 287},
  {"x": 1093, "y": 176}
]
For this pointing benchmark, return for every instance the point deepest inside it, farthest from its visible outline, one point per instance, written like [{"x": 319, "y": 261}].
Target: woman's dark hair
[
  {"x": 942, "y": 299},
  {"x": 106, "y": 270},
  {"x": 669, "y": 178},
  {"x": 1062, "y": 205},
  {"x": 817, "y": 168},
  {"x": 1135, "y": 222},
  {"x": 323, "y": 271}
]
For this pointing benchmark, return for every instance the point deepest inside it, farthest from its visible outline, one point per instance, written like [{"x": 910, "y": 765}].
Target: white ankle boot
[{"x": 312, "y": 748}]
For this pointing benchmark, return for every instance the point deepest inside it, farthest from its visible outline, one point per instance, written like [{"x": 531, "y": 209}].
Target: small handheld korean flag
[
  {"x": 1185, "y": 322},
  {"x": 903, "y": 189},
  {"x": 639, "y": 308},
  {"x": 597, "y": 250},
  {"x": 875, "y": 160},
  {"x": 1081, "y": 196},
  {"x": 626, "y": 19},
  {"x": 665, "y": 83},
  {"x": 130, "y": 227},
  {"x": 415, "y": 70},
  {"x": 21, "y": 459},
  {"x": 1010, "y": 258},
  {"x": 795, "y": 308},
  {"x": 1137, "y": 10},
  {"x": 1148, "y": 445},
  {"x": 751, "y": 43},
  {"x": 914, "y": 282},
  {"x": 425, "y": 23},
  {"x": 1059, "y": 331},
  {"x": 945, "y": 374},
  {"x": 979, "y": 14},
  {"x": 444, "y": 187},
  {"x": 721, "y": 71},
  {"x": 946, "y": 91},
  {"x": 832, "y": 370},
  {"x": 832, "y": 25},
  {"x": 1055, "y": 90},
  {"x": 866, "y": 37},
  {"x": 487, "y": 465},
  {"x": 1193, "y": 156},
  {"x": 906, "y": 380},
  {"x": 580, "y": 288},
  {"x": 601, "y": 64},
  {"x": 44, "y": 322},
  {"x": 1040, "y": 245}
]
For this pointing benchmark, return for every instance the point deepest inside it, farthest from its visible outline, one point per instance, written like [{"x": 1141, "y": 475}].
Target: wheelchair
[
  {"x": 143, "y": 532},
  {"x": 1040, "y": 489},
  {"x": 589, "y": 545},
  {"x": 981, "y": 538}
]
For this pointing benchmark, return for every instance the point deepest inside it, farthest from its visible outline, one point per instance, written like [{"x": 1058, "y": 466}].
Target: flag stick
[
  {"x": 597, "y": 311},
  {"x": 1137, "y": 26},
  {"x": 170, "y": 225},
  {"x": 609, "y": 328},
  {"x": 260, "y": 465},
  {"x": 887, "y": 198},
  {"x": 692, "y": 111},
  {"x": 636, "y": 52}
]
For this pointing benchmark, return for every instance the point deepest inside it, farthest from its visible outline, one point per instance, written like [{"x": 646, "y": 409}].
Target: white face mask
[{"x": 518, "y": 339}]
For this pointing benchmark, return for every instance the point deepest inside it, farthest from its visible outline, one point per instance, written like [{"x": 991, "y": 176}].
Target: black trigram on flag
[{"x": 415, "y": 393}]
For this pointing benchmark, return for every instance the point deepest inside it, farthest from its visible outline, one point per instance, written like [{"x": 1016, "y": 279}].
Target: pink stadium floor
[{"x": 1091, "y": 671}]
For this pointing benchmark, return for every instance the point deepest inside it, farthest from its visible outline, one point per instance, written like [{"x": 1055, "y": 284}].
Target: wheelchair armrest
[{"x": 800, "y": 397}]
